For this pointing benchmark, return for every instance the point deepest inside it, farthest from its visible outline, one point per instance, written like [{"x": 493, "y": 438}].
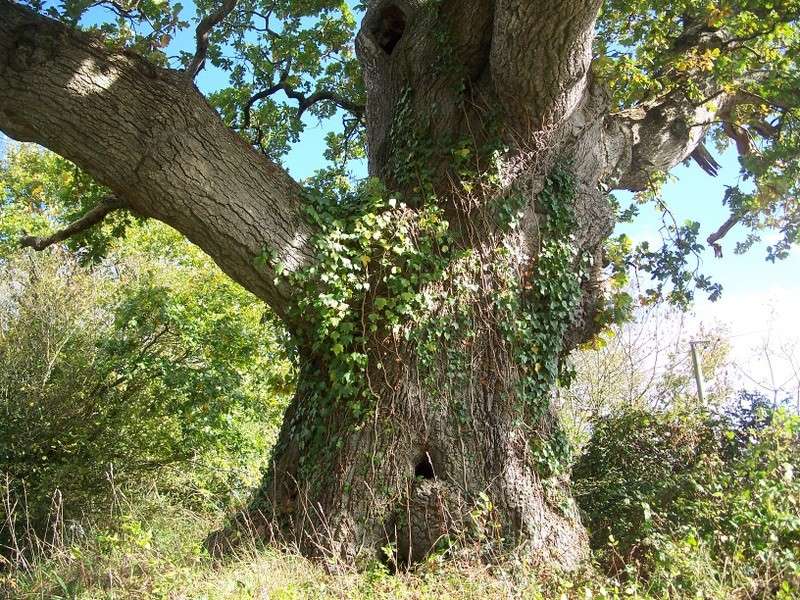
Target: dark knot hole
[
  {"x": 389, "y": 28},
  {"x": 424, "y": 468}
]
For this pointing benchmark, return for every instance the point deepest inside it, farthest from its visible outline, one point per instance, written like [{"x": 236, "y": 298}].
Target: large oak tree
[{"x": 431, "y": 306}]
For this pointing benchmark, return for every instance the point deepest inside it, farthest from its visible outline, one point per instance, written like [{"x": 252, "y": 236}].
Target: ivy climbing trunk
[
  {"x": 445, "y": 296},
  {"x": 432, "y": 309},
  {"x": 431, "y": 426},
  {"x": 449, "y": 463}
]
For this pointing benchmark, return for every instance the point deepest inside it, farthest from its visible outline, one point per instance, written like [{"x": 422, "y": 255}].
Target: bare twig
[
  {"x": 91, "y": 218},
  {"x": 304, "y": 102}
]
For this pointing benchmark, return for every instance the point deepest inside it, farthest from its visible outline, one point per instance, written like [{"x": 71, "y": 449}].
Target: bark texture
[{"x": 446, "y": 450}]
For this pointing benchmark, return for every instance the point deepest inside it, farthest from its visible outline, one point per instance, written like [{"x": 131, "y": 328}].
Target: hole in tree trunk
[
  {"x": 389, "y": 28},
  {"x": 424, "y": 468}
]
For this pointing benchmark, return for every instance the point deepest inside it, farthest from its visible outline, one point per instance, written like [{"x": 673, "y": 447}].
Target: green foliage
[
  {"x": 306, "y": 47},
  {"x": 131, "y": 369},
  {"x": 123, "y": 361},
  {"x": 670, "y": 269},
  {"x": 154, "y": 368},
  {"x": 698, "y": 50},
  {"x": 664, "y": 493},
  {"x": 40, "y": 190},
  {"x": 619, "y": 305}
]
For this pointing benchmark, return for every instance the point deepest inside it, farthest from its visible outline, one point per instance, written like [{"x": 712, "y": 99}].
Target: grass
[
  {"x": 154, "y": 551},
  {"x": 151, "y": 548}
]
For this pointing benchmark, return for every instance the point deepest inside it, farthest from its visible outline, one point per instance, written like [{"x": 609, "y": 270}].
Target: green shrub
[
  {"x": 694, "y": 503},
  {"x": 125, "y": 373},
  {"x": 123, "y": 358}
]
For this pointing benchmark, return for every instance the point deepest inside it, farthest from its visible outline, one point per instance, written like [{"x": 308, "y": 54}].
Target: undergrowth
[{"x": 152, "y": 550}]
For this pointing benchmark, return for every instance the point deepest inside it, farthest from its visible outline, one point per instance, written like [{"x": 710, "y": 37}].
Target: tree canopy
[
  {"x": 740, "y": 60},
  {"x": 729, "y": 68}
]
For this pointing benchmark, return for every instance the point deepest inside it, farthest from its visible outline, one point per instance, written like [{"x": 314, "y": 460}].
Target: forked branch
[{"x": 303, "y": 102}]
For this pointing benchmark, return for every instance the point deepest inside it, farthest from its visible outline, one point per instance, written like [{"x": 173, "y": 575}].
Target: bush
[
  {"x": 694, "y": 503},
  {"x": 125, "y": 372}
]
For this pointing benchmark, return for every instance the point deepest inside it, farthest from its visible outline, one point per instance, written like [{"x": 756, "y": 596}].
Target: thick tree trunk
[
  {"x": 454, "y": 443},
  {"x": 454, "y": 440},
  {"x": 471, "y": 106},
  {"x": 450, "y": 464}
]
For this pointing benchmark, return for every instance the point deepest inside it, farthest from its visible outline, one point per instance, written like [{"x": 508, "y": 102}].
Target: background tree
[
  {"x": 431, "y": 307},
  {"x": 644, "y": 364}
]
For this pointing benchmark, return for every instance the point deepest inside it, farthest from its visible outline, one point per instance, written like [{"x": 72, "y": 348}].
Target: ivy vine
[{"x": 387, "y": 269}]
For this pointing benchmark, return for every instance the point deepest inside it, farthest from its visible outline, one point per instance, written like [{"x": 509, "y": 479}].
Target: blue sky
[{"x": 697, "y": 196}]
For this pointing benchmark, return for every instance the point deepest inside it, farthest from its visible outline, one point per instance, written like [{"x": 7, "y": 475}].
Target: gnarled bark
[
  {"x": 506, "y": 83},
  {"x": 441, "y": 465},
  {"x": 444, "y": 455}
]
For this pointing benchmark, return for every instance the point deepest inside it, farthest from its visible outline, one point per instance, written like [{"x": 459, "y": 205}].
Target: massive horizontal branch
[
  {"x": 646, "y": 141},
  {"x": 150, "y": 137}
]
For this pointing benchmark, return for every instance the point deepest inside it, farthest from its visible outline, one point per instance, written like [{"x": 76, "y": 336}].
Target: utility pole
[{"x": 698, "y": 370}]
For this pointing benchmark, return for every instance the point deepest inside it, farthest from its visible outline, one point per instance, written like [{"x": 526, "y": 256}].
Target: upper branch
[
  {"x": 648, "y": 140},
  {"x": 150, "y": 137},
  {"x": 203, "y": 34},
  {"x": 540, "y": 57},
  {"x": 304, "y": 102}
]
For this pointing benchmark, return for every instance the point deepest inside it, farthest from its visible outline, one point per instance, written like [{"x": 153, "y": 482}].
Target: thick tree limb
[
  {"x": 203, "y": 35},
  {"x": 659, "y": 137},
  {"x": 90, "y": 219},
  {"x": 653, "y": 138},
  {"x": 540, "y": 57},
  {"x": 153, "y": 140}
]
